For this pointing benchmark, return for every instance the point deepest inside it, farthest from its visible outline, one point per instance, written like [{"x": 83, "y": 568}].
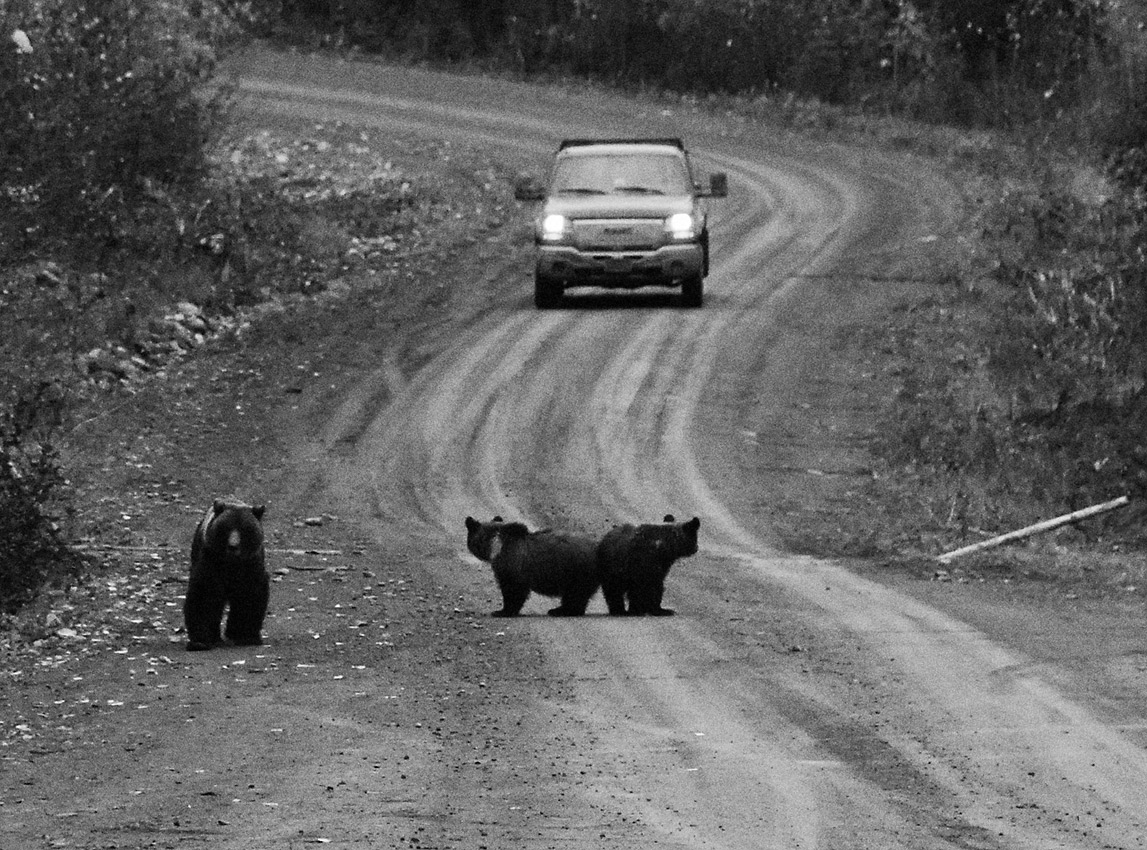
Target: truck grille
[{"x": 618, "y": 234}]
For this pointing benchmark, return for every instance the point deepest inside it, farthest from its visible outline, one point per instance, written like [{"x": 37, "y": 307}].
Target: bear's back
[
  {"x": 550, "y": 561},
  {"x": 627, "y": 547},
  {"x": 614, "y": 550}
]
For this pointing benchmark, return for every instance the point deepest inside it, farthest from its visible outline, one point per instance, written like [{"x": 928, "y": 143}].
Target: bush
[
  {"x": 110, "y": 101},
  {"x": 1073, "y": 356},
  {"x": 1037, "y": 404},
  {"x": 33, "y": 551},
  {"x": 104, "y": 107}
]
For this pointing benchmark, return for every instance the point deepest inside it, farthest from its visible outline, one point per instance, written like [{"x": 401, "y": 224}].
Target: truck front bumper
[{"x": 665, "y": 266}]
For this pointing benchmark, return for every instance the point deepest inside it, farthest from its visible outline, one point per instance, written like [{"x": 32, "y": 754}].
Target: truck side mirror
[
  {"x": 528, "y": 188},
  {"x": 718, "y": 184}
]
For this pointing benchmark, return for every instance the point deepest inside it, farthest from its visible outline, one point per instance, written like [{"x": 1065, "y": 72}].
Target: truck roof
[{"x": 658, "y": 142}]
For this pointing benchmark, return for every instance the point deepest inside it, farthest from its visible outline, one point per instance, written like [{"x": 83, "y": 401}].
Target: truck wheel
[
  {"x": 693, "y": 291},
  {"x": 547, "y": 292}
]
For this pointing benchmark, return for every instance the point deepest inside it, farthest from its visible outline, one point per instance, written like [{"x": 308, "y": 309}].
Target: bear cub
[
  {"x": 227, "y": 571},
  {"x": 633, "y": 561},
  {"x": 544, "y": 562}
]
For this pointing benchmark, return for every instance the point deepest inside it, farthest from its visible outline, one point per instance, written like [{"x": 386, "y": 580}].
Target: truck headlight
[
  {"x": 555, "y": 228},
  {"x": 679, "y": 226}
]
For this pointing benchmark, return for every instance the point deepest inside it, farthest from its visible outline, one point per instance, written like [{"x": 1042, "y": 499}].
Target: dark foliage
[
  {"x": 33, "y": 551},
  {"x": 1071, "y": 350},
  {"x": 971, "y": 61},
  {"x": 1041, "y": 396},
  {"x": 108, "y": 104},
  {"x": 102, "y": 114}
]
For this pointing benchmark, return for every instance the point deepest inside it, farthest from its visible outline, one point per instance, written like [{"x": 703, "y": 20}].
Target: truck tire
[
  {"x": 693, "y": 291},
  {"x": 547, "y": 292}
]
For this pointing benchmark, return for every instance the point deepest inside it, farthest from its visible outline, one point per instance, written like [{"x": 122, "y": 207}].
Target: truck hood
[{"x": 617, "y": 206}]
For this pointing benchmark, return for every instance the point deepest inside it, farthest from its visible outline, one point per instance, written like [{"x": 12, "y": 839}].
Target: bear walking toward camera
[
  {"x": 633, "y": 561},
  {"x": 545, "y": 562},
  {"x": 227, "y": 570}
]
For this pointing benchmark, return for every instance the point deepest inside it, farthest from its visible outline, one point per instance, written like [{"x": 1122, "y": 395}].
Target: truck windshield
[{"x": 605, "y": 174}]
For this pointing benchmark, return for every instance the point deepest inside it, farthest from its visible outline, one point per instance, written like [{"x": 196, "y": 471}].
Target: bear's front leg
[
  {"x": 247, "y": 612},
  {"x": 514, "y": 595},
  {"x": 646, "y": 600},
  {"x": 614, "y": 593},
  {"x": 202, "y": 615},
  {"x": 658, "y": 591}
]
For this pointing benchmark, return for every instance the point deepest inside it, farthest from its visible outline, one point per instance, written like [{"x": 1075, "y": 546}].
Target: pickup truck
[{"x": 621, "y": 214}]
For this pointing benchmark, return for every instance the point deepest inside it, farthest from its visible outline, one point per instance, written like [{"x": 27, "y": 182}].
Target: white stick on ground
[{"x": 1039, "y": 527}]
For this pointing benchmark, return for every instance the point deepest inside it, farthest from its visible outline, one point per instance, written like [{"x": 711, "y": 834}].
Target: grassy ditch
[{"x": 1022, "y": 382}]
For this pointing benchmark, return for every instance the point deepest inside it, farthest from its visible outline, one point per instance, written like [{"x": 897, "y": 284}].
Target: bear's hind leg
[{"x": 572, "y": 606}]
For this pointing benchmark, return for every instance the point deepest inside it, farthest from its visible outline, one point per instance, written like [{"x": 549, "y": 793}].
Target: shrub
[
  {"x": 1075, "y": 359},
  {"x": 33, "y": 551},
  {"x": 1040, "y": 398},
  {"x": 110, "y": 101},
  {"x": 103, "y": 108}
]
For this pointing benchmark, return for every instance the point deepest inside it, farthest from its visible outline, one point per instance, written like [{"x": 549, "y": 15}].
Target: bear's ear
[
  {"x": 693, "y": 524},
  {"x": 219, "y": 506},
  {"x": 497, "y": 519},
  {"x": 258, "y": 511},
  {"x": 472, "y": 524},
  {"x": 669, "y": 518}
]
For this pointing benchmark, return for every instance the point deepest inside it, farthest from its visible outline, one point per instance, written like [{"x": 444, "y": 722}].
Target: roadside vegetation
[
  {"x": 136, "y": 218},
  {"x": 133, "y": 218},
  {"x": 101, "y": 117}
]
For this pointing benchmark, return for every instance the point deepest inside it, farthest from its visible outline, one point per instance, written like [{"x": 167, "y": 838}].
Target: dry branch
[{"x": 1037, "y": 528}]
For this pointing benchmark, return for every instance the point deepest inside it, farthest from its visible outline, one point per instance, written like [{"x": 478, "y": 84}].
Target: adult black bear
[
  {"x": 633, "y": 561},
  {"x": 227, "y": 570},
  {"x": 544, "y": 562}
]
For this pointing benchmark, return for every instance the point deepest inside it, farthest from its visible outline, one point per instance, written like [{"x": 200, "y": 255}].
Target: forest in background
[
  {"x": 111, "y": 209},
  {"x": 969, "y": 62}
]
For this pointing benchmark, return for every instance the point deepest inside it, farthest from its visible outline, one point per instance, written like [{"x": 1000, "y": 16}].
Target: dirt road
[{"x": 792, "y": 703}]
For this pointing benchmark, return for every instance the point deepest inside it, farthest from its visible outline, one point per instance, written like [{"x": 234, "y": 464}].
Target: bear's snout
[{"x": 234, "y": 541}]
